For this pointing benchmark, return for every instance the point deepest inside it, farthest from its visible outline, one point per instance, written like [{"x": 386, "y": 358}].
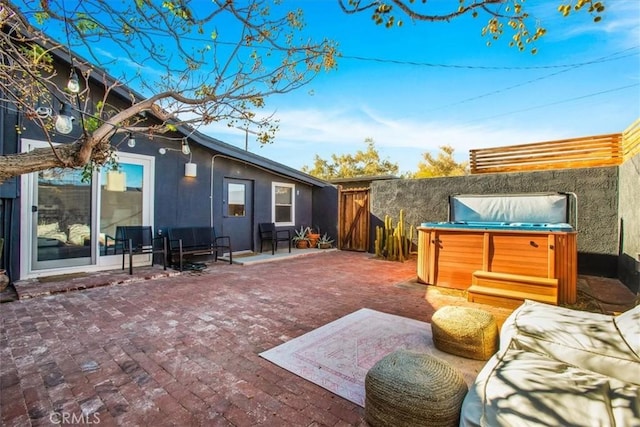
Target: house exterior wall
[
  {"x": 178, "y": 200},
  {"x": 183, "y": 201},
  {"x": 325, "y": 211},
  {"x": 596, "y": 189},
  {"x": 629, "y": 220}
]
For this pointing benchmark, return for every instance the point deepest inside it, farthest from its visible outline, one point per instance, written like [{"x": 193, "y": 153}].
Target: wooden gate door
[{"x": 353, "y": 223}]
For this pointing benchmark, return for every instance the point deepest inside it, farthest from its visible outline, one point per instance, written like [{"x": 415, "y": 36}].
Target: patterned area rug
[{"x": 338, "y": 355}]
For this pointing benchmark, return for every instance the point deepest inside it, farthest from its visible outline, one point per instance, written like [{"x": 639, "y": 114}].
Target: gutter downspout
[{"x": 213, "y": 159}]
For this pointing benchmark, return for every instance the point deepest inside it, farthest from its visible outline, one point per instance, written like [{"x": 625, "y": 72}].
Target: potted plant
[
  {"x": 300, "y": 239},
  {"x": 325, "y": 242},
  {"x": 313, "y": 235}
]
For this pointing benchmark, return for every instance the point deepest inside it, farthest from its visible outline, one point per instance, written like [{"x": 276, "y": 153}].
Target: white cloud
[
  {"x": 306, "y": 132},
  {"x": 344, "y": 128},
  {"x": 620, "y": 18},
  {"x": 128, "y": 66}
]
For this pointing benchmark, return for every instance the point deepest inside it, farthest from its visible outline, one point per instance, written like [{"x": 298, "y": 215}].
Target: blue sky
[
  {"x": 411, "y": 109},
  {"x": 417, "y": 87}
]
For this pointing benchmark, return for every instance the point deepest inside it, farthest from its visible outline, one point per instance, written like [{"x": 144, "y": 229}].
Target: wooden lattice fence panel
[
  {"x": 601, "y": 150},
  {"x": 631, "y": 140}
]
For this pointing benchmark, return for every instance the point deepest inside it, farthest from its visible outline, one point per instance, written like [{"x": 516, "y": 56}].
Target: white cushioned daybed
[{"x": 560, "y": 367}]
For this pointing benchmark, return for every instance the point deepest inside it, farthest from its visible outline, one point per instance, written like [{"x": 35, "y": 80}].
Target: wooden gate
[{"x": 353, "y": 222}]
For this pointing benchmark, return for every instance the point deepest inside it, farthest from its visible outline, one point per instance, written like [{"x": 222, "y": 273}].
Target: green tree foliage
[
  {"x": 513, "y": 16},
  {"x": 362, "y": 163},
  {"x": 442, "y": 165}
]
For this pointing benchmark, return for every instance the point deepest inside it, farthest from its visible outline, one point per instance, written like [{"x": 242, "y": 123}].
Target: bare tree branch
[
  {"x": 512, "y": 14},
  {"x": 192, "y": 64}
]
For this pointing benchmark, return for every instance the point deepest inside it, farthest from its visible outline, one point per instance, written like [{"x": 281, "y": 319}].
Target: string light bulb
[
  {"x": 64, "y": 121},
  {"x": 132, "y": 141},
  {"x": 42, "y": 111},
  {"x": 73, "y": 84},
  {"x": 185, "y": 148}
]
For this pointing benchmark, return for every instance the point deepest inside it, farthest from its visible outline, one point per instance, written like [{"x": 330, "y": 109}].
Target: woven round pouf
[
  {"x": 409, "y": 388},
  {"x": 465, "y": 331}
]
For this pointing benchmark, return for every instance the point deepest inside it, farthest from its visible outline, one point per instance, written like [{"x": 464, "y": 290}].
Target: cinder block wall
[{"x": 597, "y": 190}]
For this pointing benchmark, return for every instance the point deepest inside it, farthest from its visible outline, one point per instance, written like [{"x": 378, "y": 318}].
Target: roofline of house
[
  {"x": 242, "y": 155},
  {"x": 97, "y": 75},
  {"x": 362, "y": 178}
]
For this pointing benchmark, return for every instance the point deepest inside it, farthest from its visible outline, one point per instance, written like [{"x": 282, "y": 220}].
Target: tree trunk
[{"x": 66, "y": 156}]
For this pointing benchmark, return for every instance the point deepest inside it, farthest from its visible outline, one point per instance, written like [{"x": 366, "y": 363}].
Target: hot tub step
[{"x": 510, "y": 290}]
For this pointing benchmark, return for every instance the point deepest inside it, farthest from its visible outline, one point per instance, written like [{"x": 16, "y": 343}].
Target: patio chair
[
  {"x": 269, "y": 234},
  {"x": 138, "y": 239}
]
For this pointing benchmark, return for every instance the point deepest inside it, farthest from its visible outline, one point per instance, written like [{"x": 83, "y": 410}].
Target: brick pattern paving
[{"x": 184, "y": 350}]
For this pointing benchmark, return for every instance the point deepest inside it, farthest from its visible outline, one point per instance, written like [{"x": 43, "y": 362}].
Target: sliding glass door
[
  {"x": 61, "y": 219},
  {"x": 71, "y": 221}
]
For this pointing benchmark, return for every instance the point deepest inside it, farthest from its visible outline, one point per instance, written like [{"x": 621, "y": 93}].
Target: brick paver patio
[{"x": 183, "y": 350}]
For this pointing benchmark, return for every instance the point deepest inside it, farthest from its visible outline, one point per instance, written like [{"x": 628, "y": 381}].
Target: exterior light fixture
[
  {"x": 73, "y": 85},
  {"x": 64, "y": 121},
  {"x": 162, "y": 151},
  {"x": 185, "y": 148},
  {"x": 132, "y": 141},
  {"x": 190, "y": 169},
  {"x": 42, "y": 111}
]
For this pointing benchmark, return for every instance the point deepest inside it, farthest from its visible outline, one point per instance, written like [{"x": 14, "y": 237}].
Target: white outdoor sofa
[{"x": 560, "y": 367}]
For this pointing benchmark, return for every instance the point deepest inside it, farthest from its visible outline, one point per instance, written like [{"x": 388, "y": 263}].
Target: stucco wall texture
[
  {"x": 629, "y": 220},
  {"x": 597, "y": 192}
]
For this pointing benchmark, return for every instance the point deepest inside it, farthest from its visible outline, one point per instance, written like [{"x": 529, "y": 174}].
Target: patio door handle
[{"x": 34, "y": 209}]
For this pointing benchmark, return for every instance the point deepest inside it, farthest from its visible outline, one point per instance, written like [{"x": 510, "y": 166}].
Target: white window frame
[
  {"x": 98, "y": 262},
  {"x": 274, "y": 185}
]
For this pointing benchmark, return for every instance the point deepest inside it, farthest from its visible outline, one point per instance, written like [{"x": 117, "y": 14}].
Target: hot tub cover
[{"x": 488, "y": 225}]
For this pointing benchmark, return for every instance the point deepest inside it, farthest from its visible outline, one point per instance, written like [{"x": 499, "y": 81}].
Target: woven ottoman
[
  {"x": 410, "y": 388},
  {"x": 464, "y": 331}
]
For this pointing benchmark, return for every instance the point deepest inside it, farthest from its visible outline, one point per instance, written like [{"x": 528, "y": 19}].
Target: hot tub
[{"x": 516, "y": 258}]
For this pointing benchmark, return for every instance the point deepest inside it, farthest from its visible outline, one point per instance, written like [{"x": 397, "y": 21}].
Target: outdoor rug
[{"x": 338, "y": 355}]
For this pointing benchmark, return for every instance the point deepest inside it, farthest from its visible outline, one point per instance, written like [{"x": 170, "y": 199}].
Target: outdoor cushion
[
  {"x": 465, "y": 331},
  {"x": 412, "y": 388},
  {"x": 628, "y": 323},
  {"x": 587, "y": 340},
  {"x": 522, "y": 388}
]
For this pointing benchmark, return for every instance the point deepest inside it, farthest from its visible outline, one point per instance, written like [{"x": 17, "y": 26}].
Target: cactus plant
[{"x": 394, "y": 243}]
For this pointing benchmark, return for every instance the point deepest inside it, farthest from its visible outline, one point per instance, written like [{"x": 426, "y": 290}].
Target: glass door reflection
[
  {"x": 121, "y": 195},
  {"x": 62, "y": 219}
]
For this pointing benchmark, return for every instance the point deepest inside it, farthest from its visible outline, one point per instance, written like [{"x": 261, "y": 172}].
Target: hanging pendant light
[
  {"x": 185, "y": 148},
  {"x": 132, "y": 141},
  {"x": 64, "y": 121},
  {"x": 73, "y": 84}
]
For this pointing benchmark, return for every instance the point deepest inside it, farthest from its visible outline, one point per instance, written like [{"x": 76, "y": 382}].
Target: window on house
[
  {"x": 283, "y": 209},
  {"x": 236, "y": 205}
]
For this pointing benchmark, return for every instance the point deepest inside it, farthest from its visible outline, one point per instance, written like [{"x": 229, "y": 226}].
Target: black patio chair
[
  {"x": 138, "y": 239},
  {"x": 269, "y": 234}
]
